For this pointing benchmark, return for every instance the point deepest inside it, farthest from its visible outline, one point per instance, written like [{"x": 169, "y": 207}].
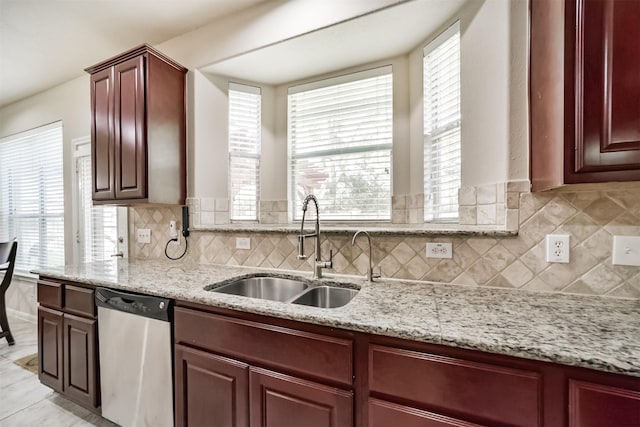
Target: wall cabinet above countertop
[
  {"x": 591, "y": 332},
  {"x": 138, "y": 129},
  {"x": 585, "y": 92}
]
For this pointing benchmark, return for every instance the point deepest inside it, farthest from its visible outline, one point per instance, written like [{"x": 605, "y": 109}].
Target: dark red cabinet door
[
  {"x": 384, "y": 414},
  {"x": 50, "y": 354},
  {"x": 596, "y": 405},
  {"x": 129, "y": 127},
  {"x": 210, "y": 390},
  {"x": 102, "y": 147},
  {"x": 279, "y": 400},
  {"x": 603, "y": 90},
  {"x": 80, "y": 360}
]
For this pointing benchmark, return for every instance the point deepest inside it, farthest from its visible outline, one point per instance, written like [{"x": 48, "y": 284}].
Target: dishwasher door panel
[{"x": 135, "y": 369}]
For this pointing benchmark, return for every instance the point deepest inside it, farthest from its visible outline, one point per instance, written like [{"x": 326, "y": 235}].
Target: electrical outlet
[
  {"x": 243, "y": 243},
  {"x": 626, "y": 250},
  {"x": 439, "y": 250},
  {"x": 144, "y": 235},
  {"x": 558, "y": 248},
  {"x": 173, "y": 232}
]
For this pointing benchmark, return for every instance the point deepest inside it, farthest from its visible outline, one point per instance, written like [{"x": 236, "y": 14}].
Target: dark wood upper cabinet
[
  {"x": 584, "y": 92},
  {"x": 138, "y": 129}
]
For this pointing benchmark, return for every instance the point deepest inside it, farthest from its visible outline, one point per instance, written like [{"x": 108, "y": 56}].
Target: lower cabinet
[
  {"x": 210, "y": 389},
  {"x": 596, "y": 405},
  {"x": 68, "y": 342},
  {"x": 50, "y": 348},
  {"x": 282, "y": 400},
  {"x": 384, "y": 414},
  {"x": 237, "y": 372}
]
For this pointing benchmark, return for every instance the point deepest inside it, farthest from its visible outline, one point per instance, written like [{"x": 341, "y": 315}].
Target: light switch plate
[
  {"x": 144, "y": 235},
  {"x": 626, "y": 250}
]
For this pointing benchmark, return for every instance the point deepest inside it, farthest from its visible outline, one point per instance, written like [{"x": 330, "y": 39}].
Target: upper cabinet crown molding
[
  {"x": 584, "y": 92},
  {"x": 138, "y": 129},
  {"x": 132, "y": 53}
]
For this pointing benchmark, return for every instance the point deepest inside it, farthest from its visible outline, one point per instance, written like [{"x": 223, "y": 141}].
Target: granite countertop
[{"x": 591, "y": 332}]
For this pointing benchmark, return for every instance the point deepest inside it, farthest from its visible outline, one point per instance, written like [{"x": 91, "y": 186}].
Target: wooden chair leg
[{"x": 4, "y": 323}]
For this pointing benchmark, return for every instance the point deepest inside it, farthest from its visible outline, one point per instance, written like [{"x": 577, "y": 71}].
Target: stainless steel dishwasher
[{"x": 134, "y": 336}]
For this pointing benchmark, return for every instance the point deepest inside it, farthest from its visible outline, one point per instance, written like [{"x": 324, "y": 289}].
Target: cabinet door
[
  {"x": 130, "y": 131},
  {"x": 383, "y": 414},
  {"x": 80, "y": 360},
  {"x": 595, "y": 405},
  {"x": 603, "y": 114},
  {"x": 210, "y": 390},
  {"x": 102, "y": 138},
  {"x": 50, "y": 355},
  {"x": 279, "y": 400}
]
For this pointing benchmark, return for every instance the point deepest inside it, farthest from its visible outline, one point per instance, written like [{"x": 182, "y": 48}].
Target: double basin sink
[{"x": 288, "y": 291}]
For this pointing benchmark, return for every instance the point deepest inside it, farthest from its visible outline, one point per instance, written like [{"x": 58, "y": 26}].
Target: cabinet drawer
[
  {"x": 458, "y": 387},
  {"x": 327, "y": 358},
  {"x": 50, "y": 294},
  {"x": 79, "y": 301}
]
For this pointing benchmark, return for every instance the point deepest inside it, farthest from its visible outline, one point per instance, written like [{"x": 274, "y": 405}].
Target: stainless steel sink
[
  {"x": 270, "y": 288},
  {"x": 326, "y": 297}
]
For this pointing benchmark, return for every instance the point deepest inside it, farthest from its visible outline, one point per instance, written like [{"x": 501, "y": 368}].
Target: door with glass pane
[{"x": 101, "y": 230}]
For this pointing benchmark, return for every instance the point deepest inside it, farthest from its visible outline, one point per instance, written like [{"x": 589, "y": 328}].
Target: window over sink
[{"x": 339, "y": 141}]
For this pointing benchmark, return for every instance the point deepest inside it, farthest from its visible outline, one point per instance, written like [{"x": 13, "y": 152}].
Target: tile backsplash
[{"x": 590, "y": 216}]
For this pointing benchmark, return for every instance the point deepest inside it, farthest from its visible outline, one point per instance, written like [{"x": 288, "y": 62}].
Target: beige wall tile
[{"x": 590, "y": 217}]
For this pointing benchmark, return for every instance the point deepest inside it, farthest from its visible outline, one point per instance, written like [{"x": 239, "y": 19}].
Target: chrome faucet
[
  {"x": 370, "y": 275},
  {"x": 319, "y": 264}
]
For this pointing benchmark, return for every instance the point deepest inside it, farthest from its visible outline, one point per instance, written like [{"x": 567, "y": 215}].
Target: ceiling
[
  {"x": 380, "y": 35},
  {"x": 46, "y": 43}
]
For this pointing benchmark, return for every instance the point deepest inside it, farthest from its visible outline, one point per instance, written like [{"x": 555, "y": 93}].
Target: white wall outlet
[
  {"x": 144, "y": 235},
  {"x": 439, "y": 250},
  {"x": 558, "y": 248},
  {"x": 243, "y": 243},
  {"x": 173, "y": 229},
  {"x": 626, "y": 250}
]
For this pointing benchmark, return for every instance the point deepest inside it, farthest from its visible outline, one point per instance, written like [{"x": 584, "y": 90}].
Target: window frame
[
  {"x": 257, "y": 156},
  {"x": 295, "y": 214},
  {"x": 20, "y": 269},
  {"x": 439, "y": 213}
]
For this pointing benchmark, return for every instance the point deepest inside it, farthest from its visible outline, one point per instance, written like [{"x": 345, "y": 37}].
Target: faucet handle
[{"x": 376, "y": 275}]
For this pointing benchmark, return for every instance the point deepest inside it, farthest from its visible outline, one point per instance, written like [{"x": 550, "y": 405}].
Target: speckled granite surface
[{"x": 591, "y": 332}]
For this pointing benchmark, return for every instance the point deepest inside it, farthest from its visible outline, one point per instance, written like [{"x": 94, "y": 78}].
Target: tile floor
[{"x": 26, "y": 402}]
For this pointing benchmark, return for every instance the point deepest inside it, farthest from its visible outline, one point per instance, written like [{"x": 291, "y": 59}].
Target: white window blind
[
  {"x": 244, "y": 151},
  {"x": 32, "y": 196},
  {"x": 340, "y": 138},
  {"x": 98, "y": 225},
  {"x": 442, "y": 126}
]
